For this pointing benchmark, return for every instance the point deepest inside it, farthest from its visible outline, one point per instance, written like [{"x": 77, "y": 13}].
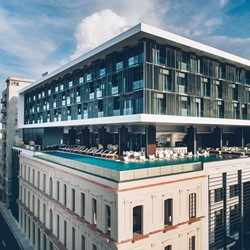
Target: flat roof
[{"x": 132, "y": 35}]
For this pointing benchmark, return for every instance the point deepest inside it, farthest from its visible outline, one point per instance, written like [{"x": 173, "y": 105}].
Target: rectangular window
[
  {"x": 192, "y": 205},
  {"x": 73, "y": 238},
  {"x": 83, "y": 242},
  {"x": 218, "y": 89},
  {"x": 44, "y": 214},
  {"x": 168, "y": 212},
  {"x": 81, "y": 80},
  {"x": 38, "y": 208},
  {"x": 102, "y": 72},
  {"x": 33, "y": 176},
  {"x": 82, "y": 205},
  {"x": 108, "y": 218},
  {"x": 234, "y": 190},
  {"x": 58, "y": 226},
  {"x": 58, "y": 190},
  {"x": 182, "y": 82},
  {"x": 33, "y": 203},
  {"x": 73, "y": 197},
  {"x": 94, "y": 211},
  {"x": 65, "y": 233},
  {"x": 119, "y": 65},
  {"x": 44, "y": 182},
  {"x": 64, "y": 194},
  {"x": 28, "y": 174},
  {"x": 89, "y": 77},
  {"x": 192, "y": 243},
  {"x": 70, "y": 84},
  {"x": 218, "y": 194}
]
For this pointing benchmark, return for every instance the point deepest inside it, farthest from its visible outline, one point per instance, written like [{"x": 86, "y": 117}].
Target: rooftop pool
[
  {"x": 124, "y": 166},
  {"x": 120, "y": 171}
]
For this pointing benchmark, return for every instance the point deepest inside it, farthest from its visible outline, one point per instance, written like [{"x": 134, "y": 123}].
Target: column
[
  {"x": 217, "y": 138},
  {"x": 191, "y": 139},
  {"x": 172, "y": 140},
  {"x": 85, "y": 140},
  {"x": 150, "y": 140},
  {"x": 102, "y": 137},
  {"x": 72, "y": 136},
  {"x": 123, "y": 139},
  {"x": 238, "y": 137}
]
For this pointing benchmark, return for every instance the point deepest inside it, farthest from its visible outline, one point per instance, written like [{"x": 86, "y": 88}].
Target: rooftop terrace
[{"x": 120, "y": 171}]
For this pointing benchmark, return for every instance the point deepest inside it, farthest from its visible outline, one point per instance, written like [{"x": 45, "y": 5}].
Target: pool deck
[{"x": 120, "y": 171}]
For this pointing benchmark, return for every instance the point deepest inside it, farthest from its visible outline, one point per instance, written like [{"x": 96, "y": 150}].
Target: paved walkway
[{"x": 15, "y": 228}]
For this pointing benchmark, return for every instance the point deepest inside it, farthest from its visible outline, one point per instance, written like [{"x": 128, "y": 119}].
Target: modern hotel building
[{"x": 142, "y": 89}]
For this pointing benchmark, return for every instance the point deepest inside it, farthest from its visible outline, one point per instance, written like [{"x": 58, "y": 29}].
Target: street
[{"x": 7, "y": 240}]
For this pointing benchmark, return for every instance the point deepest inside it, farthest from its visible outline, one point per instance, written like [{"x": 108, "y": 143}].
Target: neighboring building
[
  {"x": 142, "y": 89},
  {"x": 10, "y": 136},
  {"x": 229, "y": 204}
]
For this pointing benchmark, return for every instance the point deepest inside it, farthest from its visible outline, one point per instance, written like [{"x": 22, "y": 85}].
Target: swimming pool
[{"x": 124, "y": 166}]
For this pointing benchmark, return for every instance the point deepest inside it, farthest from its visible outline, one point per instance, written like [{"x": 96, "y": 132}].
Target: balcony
[
  {"x": 100, "y": 114},
  {"x": 116, "y": 112},
  {"x": 128, "y": 111}
]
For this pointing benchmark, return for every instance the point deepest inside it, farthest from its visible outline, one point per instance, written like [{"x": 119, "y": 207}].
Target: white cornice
[{"x": 142, "y": 119}]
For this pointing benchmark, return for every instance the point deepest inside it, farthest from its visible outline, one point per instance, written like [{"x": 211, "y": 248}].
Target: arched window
[
  {"x": 168, "y": 212},
  {"x": 137, "y": 220},
  {"x": 50, "y": 219},
  {"x": 50, "y": 186}
]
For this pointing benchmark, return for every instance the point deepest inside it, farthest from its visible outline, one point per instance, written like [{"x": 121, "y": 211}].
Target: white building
[
  {"x": 85, "y": 211},
  {"x": 10, "y": 136}
]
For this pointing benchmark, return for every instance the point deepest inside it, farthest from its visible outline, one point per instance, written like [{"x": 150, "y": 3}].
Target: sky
[{"x": 38, "y": 36}]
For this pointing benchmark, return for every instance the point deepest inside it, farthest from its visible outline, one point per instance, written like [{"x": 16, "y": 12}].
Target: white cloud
[
  {"x": 96, "y": 29},
  {"x": 213, "y": 22},
  {"x": 223, "y": 3},
  {"x": 104, "y": 25}
]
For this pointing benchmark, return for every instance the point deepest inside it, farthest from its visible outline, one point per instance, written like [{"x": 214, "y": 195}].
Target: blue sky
[{"x": 38, "y": 36}]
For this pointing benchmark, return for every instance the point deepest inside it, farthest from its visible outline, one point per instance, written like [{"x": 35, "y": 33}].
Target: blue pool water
[{"x": 122, "y": 166}]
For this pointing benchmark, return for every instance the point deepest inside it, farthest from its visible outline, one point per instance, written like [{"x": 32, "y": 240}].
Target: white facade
[{"x": 55, "y": 199}]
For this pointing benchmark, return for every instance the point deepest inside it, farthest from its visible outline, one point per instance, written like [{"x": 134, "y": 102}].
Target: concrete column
[
  {"x": 217, "y": 138},
  {"x": 85, "y": 140},
  {"x": 238, "y": 137},
  {"x": 102, "y": 137},
  {"x": 72, "y": 136},
  {"x": 191, "y": 139},
  {"x": 172, "y": 140},
  {"x": 150, "y": 140},
  {"x": 123, "y": 139}
]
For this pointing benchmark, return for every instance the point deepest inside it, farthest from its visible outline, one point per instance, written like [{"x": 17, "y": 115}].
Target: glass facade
[{"x": 149, "y": 78}]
